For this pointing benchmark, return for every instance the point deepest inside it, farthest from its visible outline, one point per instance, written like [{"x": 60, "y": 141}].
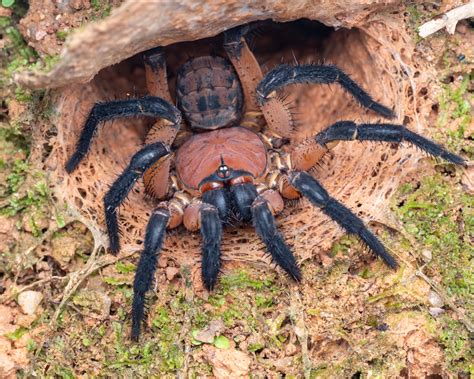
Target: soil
[{"x": 351, "y": 316}]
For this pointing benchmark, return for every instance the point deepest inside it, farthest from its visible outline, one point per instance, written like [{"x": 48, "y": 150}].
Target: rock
[
  {"x": 5, "y": 12},
  {"x": 16, "y": 108},
  {"x": 141, "y": 25},
  {"x": 427, "y": 255},
  {"x": 435, "y": 300},
  {"x": 96, "y": 301},
  {"x": 7, "y": 367},
  {"x": 171, "y": 273},
  {"x": 29, "y": 301},
  {"x": 20, "y": 357},
  {"x": 8, "y": 232},
  {"x": 230, "y": 363},
  {"x": 6, "y": 316},
  {"x": 291, "y": 349},
  {"x": 5, "y": 345},
  {"x": 208, "y": 334},
  {"x": 63, "y": 249},
  {"x": 435, "y": 311}
]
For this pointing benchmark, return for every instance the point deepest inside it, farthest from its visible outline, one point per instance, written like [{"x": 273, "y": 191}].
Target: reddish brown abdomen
[{"x": 200, "y": 156}]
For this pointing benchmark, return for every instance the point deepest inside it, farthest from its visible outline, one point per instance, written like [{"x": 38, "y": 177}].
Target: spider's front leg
[
  {"x": 277, "y": 114},
  {"x": 146, "y": 106},
  {"x": 119, "y": 190}
]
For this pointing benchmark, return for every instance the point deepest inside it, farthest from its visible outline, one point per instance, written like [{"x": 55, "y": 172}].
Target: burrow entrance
[{"x": 362, "y": 176}]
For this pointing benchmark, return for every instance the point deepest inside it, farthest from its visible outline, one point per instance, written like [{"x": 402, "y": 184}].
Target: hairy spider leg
[
  {"x": 149, "y": 106},
  {"x": 274, "y": 110},
  {"x": 285, "y": 75},
  {"x": 119, "y": 190},
  {"x": 265, "y": 226},
  {"x": 211, "y": 232},
  {"x": 154, "y": 238},
  {"x": 318, "y": 196},
  {"x": 245, "y": 63},
  {"x": 214, "y": 211},
  {"x": 155, "y": 73},
  {"x": 156, "y": 178},
  {"x": 350, "y": 131},
  {"x": 251, "y": 206}
]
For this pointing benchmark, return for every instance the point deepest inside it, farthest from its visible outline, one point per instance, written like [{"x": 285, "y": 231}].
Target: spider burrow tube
[{"x": 228, "y": 164}]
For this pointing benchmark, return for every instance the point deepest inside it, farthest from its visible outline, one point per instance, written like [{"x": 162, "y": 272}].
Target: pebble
[
  {"x": 171, "y": 273},
  {"x": 7, "y": 366},
  {"x": 427, "y": 255},
  {"x": 435, "y": 311},
  {"x": 40, "y": 34},
  {"x": 29, "y": 301},
  {"x": 435, "y": 300}
]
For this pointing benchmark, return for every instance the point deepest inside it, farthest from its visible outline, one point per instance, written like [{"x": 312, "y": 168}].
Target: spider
[{"x": 220, "y": 162}]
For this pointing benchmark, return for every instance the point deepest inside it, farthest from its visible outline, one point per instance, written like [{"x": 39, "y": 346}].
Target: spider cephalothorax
[{"x": 231, "y": 165}]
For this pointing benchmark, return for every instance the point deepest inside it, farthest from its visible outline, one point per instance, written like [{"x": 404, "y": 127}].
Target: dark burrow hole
[{"x": 298, "y": 42}]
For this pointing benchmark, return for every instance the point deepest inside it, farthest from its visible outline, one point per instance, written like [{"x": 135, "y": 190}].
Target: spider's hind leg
[
  {"x": 245, "y": 63},
  {"x": 285, "y": 75}
]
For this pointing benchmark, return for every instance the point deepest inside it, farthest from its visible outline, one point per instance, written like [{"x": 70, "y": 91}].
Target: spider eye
[{"x": 223, "y": 171}]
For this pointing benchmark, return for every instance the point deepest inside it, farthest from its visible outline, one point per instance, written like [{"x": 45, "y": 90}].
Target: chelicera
[{"x": 213, "y": 158}]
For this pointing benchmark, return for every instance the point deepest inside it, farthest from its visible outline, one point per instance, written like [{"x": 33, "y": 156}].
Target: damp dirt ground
[{"x": 351, "y": 316}]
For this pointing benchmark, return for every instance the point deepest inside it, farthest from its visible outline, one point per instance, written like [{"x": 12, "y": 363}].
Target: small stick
[{"x": 448, "y": 20}]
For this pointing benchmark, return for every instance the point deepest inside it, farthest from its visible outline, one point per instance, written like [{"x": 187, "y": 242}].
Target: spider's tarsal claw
[
  {"x": 317, "y": 195},
  {"x": 264, "y": 224},
  {"x": 154, "y": 238}
]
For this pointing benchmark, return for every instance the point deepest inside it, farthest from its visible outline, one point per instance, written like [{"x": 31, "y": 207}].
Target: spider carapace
[{"x": 232, "y": 165}]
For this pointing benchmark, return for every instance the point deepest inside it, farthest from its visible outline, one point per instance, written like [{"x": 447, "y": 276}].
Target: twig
[
  {"x": 297, "y": 318},
  {"x": 12, "y": 295},
  {"x": 467, "y": 323},
  {"x": 448, "y": 20},
  {"x": 76, "y": 278}
]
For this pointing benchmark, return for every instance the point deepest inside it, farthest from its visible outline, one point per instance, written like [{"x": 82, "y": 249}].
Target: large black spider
[{"x": 231, "y": 164}]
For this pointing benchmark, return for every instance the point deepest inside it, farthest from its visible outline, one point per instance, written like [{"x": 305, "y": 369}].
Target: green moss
[
  {"x": 240, "y": 279},
  {"x": 101, "y": 8},
  {"x": 62, "y": 34},
  {"x": 441, "y": 217},
  {"x": 457, "y": 344},
  {"x": 430, "y": 214},
  {"x": 455, "y": 108}
]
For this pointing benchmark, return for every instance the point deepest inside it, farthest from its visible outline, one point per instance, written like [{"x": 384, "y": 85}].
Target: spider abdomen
[
  {"x": 209, "y": 93},
  {"x": 202, "y": 154}
]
